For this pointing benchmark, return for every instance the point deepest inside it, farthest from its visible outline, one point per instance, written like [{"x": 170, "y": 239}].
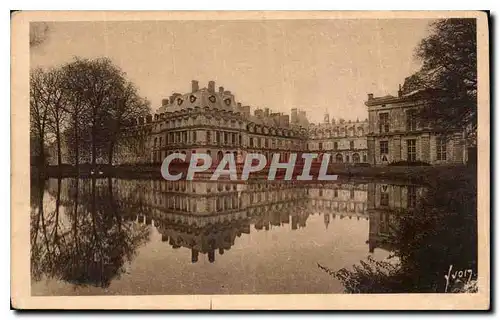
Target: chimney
[
  {"x": 370, "y": 96},
  {"x": 221, "y": 90},
  {"x": 266, "y": 112},
  {"x": 400, "y": 92},
  {"x": 211, "y": 86},
  {"x": 239, "y": 105},
  {"x": 164, "y": 102},
  {"x": 246, "y": 110},
  {"x": 294, "y": 117},
  {"x": 194, "y": 86}
]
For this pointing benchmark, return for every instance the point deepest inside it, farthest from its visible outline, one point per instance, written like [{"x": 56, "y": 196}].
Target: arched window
[
  {"x": 339, "y": 158},
  {"x": 364, "y": 158},
  {"x": 355, "y": 158}
]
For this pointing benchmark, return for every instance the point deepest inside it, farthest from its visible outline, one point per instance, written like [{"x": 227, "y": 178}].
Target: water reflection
[
  {"x": 84, "y": 231},
  {"x": 85, "y": 239}
]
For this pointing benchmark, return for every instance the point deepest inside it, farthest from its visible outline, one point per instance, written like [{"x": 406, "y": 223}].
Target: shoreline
[{"x": 413, "y": 174}]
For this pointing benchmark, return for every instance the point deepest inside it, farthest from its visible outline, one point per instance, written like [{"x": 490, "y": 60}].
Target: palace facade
[
  {"x": 394, "y": 134},
  {"x": 344, "y": 140},
  {"x": 206, "y": 120}
]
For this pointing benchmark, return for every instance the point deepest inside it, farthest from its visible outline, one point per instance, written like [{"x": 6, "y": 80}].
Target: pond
[{"x": 155, "y": 237}]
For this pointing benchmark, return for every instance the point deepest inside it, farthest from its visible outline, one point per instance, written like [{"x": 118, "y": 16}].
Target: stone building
[
  {"x": 344, "y": 140},
  {"x": 209, "y": 121},
  {"x": 394, "y": 134}
]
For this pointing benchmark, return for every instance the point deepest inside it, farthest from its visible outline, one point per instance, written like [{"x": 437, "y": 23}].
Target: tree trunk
[
  {"x": 93, "y": 138},
  {"x": 110, "y": 152},
  {"x": 41, "y": 159},
  {"x": 77, "y": 150},
  {"x": 58, "y": 139}
]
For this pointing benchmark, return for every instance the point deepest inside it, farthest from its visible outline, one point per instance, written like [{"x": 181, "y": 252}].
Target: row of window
[
  {"x": 335, "y": 146},
  {"x": 384, "y": 121},
  {"x": 255, "y": 142},
  {"x": 336, "y": 133},
  {"x": 411, "y": 148}
]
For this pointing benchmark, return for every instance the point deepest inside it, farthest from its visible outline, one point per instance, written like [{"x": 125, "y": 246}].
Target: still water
[{"x": 133, "y": 237}]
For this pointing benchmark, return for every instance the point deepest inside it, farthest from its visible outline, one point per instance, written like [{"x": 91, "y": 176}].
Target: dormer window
[
  {"x": 227, "y": 101},
  {"x": 179, "y": 101},
  {"x": 212, "y": 99},
  {"x": 192, "y": 98}
]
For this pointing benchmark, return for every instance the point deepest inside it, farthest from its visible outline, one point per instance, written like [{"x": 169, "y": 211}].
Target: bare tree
[
  {"x": 106, "y": 99},
  {"x": 128, "y": 106},
  {"x": 56, "y": 105},
  {"x": 40, "y": 96}
]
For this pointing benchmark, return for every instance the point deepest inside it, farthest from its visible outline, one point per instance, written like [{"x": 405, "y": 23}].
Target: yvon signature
[{"x": 458, "y": 275}]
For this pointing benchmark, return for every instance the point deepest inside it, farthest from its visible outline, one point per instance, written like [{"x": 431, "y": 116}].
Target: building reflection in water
[
  {"x": 208, "y": 216},
  {"x": 384, "y": 202}
]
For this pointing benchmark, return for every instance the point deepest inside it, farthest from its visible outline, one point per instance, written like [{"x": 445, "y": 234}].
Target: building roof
[{"x": 202, "y": 98}]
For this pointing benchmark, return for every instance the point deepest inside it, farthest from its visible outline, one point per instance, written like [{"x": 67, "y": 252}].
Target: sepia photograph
[{"x": 215, "y": 160}]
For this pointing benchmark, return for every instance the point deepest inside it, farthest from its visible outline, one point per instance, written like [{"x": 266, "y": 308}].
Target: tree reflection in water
[
  {"x": 85, "y": 240},
  {"x": 439, "y": 232}
]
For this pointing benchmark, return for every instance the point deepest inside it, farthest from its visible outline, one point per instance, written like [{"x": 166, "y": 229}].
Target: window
[
  {"x": 355, "y": 158},
  {"x": 347, "y": 158},
  {"x": 156, "y": 141},
  {"x": 233, "y": 138},
  {"x": 335, "y": 145},
  {"x": 320, "y": 146},
  {"x": 209, "y": 136},
  {"x": 364, "y": 158},
  {"x": 251, "y": 142},
  {"x": 412, "y": 149},
  {"x": 161, "y": 142},
  {"x": 194, "y": 136},
  {"x": 383, "y": 121},
  {"x": 384, "y": 199},
  {"x": 384, "y": 147},
  {"x": 411, "y": 120},
  {"x": 217, "y": 137},
  {"x": 351, "y": 144},
  {"x": 339, "y": 158},
  {"x": 441, "y": 148},
  {"x": 351, "y": 194},
  {"x": 412, "y": 197}
]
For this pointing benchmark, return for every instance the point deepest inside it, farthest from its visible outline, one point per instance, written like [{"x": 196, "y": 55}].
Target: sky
[{"x": 314, "y": 65}]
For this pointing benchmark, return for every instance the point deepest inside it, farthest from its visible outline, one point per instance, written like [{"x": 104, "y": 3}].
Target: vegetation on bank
[
  {"x": 437, "y": 238},
  {"x": 81, "y": 109}
]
